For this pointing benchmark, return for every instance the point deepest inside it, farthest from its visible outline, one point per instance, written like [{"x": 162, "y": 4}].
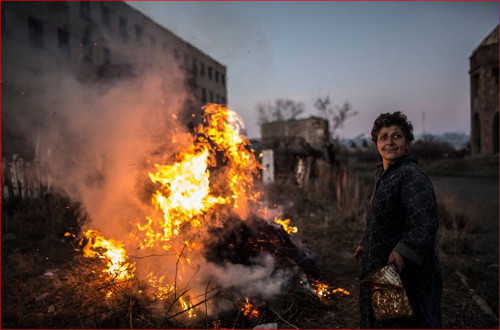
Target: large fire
[{"x": 213, "y": 176}]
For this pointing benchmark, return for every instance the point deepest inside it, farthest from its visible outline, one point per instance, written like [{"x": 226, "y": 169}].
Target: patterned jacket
[{"x": 403, "y": 217}]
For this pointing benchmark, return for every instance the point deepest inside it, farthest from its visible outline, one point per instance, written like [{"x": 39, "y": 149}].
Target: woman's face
[{"x": 391, "y": 143}]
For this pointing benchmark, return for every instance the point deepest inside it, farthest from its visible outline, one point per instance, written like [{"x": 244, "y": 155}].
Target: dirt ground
[
  {"x": 470, "y": 296},
  {"x": 460, "y": 309}
]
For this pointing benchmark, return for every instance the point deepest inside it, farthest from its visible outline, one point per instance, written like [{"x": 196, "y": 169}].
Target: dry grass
[
  {"x": 459, "y": 223},
  {"x": 45, "y": 284},
  {"x": 331, "y": 229}
]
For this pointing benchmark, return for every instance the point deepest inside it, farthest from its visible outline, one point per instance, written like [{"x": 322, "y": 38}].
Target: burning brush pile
[{"x": 210, "y": 254}]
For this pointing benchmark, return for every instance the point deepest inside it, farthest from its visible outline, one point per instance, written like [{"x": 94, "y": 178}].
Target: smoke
[
  {"x": 99, "y": 141},
  {"x": 261, "y": 279}
]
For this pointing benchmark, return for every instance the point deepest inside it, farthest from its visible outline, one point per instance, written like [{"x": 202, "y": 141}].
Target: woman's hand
[
  {"x": 396, "y": 259},
  {"x": 358, "y": 254}
]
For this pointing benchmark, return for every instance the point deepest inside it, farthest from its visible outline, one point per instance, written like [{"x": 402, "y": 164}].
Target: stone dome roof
[{"x": 491, "y": 39}]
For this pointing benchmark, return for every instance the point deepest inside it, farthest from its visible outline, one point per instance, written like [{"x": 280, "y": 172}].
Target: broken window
[
  {"x": 194, "y": 68},
  {"x": 4, "y": 19},
  {"x": 106, "y": 16},
  {"x": 202, "y": 69},
  {"x": 203, "y": 95},
  {"x": 87, "y": 46},
  {"x": 123, "y": 28},
  {"x": 474, "y": 86},
  {"x": 63, "y": 40},
  {"x": 106, "y": 54},
  {"x": 494, "y": 73},
  {"x": 85, "y": 9},
  {"x": 138, "y": 33},
  {"x": 35, "y": 32},
  {"x": 476, "y": 133}
]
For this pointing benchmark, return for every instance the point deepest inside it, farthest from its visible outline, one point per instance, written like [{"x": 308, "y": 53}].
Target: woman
[{"x": 401, "y": 227}]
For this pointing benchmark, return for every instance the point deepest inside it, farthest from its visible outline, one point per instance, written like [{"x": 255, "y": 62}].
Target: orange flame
[
  {"x": 286, "y": 225},
  {"x": 249, "y": 310},
  {"x": 185, "y": 195},
  {"x": 111, "y": 252},
  {"x": 323, "y": 290},
  {"x": 217, "y": 170},
  {"x": 187, "y": 307}
]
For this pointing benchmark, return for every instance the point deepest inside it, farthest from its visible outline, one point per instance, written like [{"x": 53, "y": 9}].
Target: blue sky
[{"x": 380, "y": 56}]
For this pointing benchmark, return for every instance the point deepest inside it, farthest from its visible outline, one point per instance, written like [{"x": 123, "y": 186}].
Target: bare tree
[
  {"x": 280, "y": 110},
  {"x": 336, "y": 115}
]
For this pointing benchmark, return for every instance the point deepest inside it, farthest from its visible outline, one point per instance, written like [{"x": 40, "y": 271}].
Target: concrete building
[
  {"x": 97, "y": 43},
  {"x": 484, "y": 96}
]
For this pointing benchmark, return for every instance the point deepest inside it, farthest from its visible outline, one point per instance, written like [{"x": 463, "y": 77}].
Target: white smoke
[
  {"x": 100, "y": 142},
  {"x": 261, "y": 279}
]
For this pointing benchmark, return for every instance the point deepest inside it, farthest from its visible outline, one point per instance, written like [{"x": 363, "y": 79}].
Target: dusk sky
[{"x": 380, "y": 56}]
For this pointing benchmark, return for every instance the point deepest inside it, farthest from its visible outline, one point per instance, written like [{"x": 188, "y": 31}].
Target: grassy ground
[
  {"x": 46, "y": 284},
  {"x": 470, "y": 296}
]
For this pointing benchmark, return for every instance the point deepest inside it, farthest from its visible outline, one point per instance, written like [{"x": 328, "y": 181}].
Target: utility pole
[{"x": 423, "y": 121}]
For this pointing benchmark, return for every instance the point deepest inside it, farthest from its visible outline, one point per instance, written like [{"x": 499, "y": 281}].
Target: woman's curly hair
[{"x": 389, "y": 119}]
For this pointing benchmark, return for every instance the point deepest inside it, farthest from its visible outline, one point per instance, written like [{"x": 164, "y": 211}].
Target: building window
[
  {"x": 85, "y": 9},
  {"x": 138, "y": 34},
  {"x": 203, "y": 95},
  {"x": 60, "y": 5},
  {"x": 4, "y": 19},
  {"x": 476, "y": 133},
  {"x": 87, "y": 47},
  {"x": 194, "y": 68},
  {"x": 106, "y": 16},
  {"x": 35, "y": 32},
  {"x": 494, "y": 73},
  {"x": 63, "y": 40},
  {"x": 211, "y": 99},
  {"x": 210, "y": 72},
  {"x": 474, "y": 86},
  {"x": 202, "y": 70},
  {"x": 223, "y": 79},
  {"x": 223, "y": 99},
  {"x": 216, "y": 76},
  {"x": 106, "y": 54},
  {"x": 123, "y": 28},
  {"x": 217, "y": 98}
]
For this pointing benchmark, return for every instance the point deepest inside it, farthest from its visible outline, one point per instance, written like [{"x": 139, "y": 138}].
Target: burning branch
[{"x": 207, "y": 190}]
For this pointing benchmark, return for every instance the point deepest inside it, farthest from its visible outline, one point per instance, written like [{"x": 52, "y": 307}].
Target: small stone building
[
  {"x": 292, "y": 134},
  {"x": 484, "y": 96},
  {"x": 297, "y": 146}
]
